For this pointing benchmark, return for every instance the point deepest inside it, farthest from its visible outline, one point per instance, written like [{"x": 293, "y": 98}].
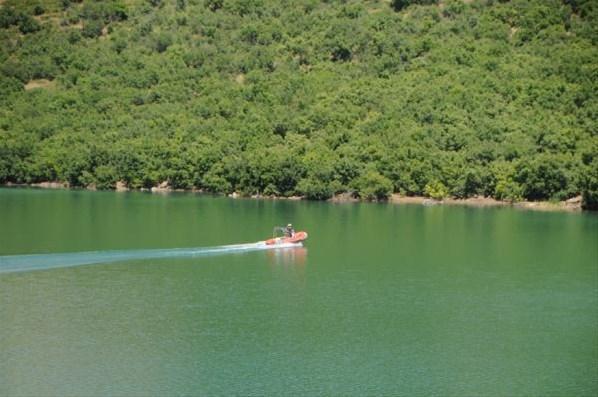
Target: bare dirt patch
[
  {"x": 240, "y": 78},
  {"x": 512, "y": 31},
  {"x": 39, "y": 83}
]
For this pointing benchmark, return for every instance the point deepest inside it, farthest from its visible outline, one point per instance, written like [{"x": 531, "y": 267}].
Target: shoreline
[{"x": 571, "y": 205}]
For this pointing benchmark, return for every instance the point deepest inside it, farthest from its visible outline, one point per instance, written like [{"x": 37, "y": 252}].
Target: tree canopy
[{"x": 284, "y": 97}]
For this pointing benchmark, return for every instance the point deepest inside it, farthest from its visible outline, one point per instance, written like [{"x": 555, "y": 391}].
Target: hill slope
[{"x": 457, "y": 98}]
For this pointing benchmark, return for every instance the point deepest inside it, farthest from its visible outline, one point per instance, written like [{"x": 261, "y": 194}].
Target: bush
[
  {"x": 314, "y": 189},
  {"x": 162, "y": 41},
  {"x": 507, "y": 190},
  {"x": 542, "y": 178},
  {"x": 105, "y": 177},
  {"x": 214, "y": 5},
  {"x": 436, "y": 190},
  {"x": 92, "y": 28},
  {"x": 589, "y": 182},
  {"x": 38, "y": 10},
  {"x": 373, "y": 186},
  {"x": 8, "y": 17},
  {"x": 9, "y": 85},
  {"x": 398, "y": 5},
  {"x": 28, "y": 25}
]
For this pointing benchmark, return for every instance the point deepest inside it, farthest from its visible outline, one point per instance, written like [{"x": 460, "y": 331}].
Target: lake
[{"x": 382, "y": 300}]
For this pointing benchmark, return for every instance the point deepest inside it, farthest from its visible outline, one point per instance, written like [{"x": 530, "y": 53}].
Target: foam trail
[{"x": 20, "y": 263}]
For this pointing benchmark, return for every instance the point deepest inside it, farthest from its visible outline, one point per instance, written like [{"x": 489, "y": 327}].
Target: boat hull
[{"x": 297, "y": 238}]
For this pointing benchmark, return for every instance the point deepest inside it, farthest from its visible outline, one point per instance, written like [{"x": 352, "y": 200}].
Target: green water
[{"x": 383, "y": 300}]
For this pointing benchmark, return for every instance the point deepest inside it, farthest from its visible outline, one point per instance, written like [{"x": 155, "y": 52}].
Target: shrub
[
  {"x": 38, "y": 10},
  {"x": 314, "y": 189},
  {"x": 92, "y": 28},
  {"x": 398, "y": 5},
  {"x": 436, "y": 190},
  {"x": 28, "y": 25},
  {"x": 162, "y": 42},
  {"x": 589, "y": 181},
  {"x": 373, "y": 186},
  {"x": 105, "y": 177}
]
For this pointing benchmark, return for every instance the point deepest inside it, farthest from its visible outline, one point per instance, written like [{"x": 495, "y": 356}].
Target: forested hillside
[{"x": 304, "y": 97}]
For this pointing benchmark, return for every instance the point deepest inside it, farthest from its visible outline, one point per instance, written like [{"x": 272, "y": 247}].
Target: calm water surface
[{"x": 383, "y": 300}]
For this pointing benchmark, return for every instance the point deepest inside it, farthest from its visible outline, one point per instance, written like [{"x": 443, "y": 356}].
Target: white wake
[{"x": 20, "y": 263}]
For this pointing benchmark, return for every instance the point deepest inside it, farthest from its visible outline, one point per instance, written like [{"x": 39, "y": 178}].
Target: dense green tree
[
  {"x": 373, "y": 186},
  {"x": 92, "y": 28},
  {"x": 453, "y": 98}
]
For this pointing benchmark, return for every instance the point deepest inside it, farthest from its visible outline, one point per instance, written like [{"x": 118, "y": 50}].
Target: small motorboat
[{"x": 297, "y": 238}]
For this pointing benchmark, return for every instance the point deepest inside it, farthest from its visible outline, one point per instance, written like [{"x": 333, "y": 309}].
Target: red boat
[{"x": 296, "y": 238}]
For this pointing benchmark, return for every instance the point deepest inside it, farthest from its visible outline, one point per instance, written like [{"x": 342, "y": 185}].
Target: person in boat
[{"x": 289, "y": 231}]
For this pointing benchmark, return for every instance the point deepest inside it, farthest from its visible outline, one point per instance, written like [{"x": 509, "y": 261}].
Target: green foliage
[
  {"x": 104, "y": 11},
  {"x": 162, "y": 41},
  {"x": 373, "y": 186},
  {"x": 398, "y": 5},
  {"x": 493, "y": 98},
  {"x": 92, "y": 28},
  {"x": 589, "y": 177},
  {"x": 314, "y": 189},
  {"x": 590, "y": 188},
  {"x": 9, "y": 85},
  {"x": 25, "y": 22},
  {"x": 214, "y": 5},
  {"x": 544, "y": 177},
  {"x": 436, "y": 190},
  {"x": 38, "y": 9},
  {"x": 105, "y": 177}
]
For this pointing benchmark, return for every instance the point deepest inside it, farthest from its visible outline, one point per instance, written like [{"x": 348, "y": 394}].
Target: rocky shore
[{"x": 571, "y": 205}]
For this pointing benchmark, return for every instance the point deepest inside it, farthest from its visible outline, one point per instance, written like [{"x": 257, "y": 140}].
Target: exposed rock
[
  {"x": 234, "y": 195},
  {"x": 121, "y": 186},
  {"x": 549, "y": 206},
  {"x": 51, "y": 185},
  {"x": 574, "y": 203},
  {"x": 477, "y": 201},
  {"x": 91, "y": 186},
  {"x": 162, "y": 188},
  {"x": 343, "y": 198}
]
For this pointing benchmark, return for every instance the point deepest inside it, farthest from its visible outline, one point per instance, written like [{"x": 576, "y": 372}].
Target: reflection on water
[
  {"x": 391, "y": 300},
  {"x": 288, "y": 256},
  {"x": 289, "y": 264}
]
